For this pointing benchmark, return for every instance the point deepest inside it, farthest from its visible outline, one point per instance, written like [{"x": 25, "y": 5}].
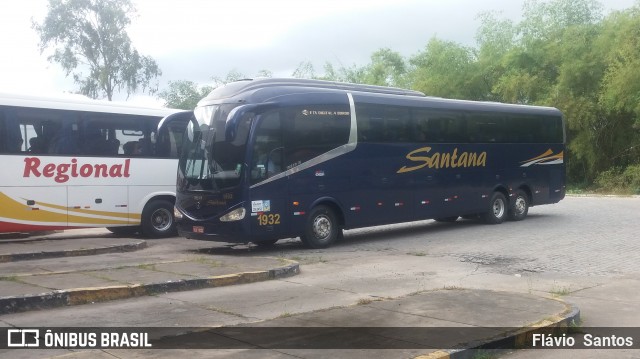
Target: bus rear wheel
[
  {"x": 321, "y": 229},
  {"x": 157, "y": 219},
  {"x": 497, "y": 211},
  {"x": 520, "y": 206}
]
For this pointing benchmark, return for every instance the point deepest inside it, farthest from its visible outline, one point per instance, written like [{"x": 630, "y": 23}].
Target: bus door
[{"x": 268, "y": 184}]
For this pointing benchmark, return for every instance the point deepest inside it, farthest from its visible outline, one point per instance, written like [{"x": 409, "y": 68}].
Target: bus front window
[{"x": 209, "y": 162}]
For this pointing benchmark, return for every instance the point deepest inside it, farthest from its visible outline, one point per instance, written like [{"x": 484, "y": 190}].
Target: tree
[
  {"x": 387, "y": 68},
  {"x": 446, "y": 69},
  {"x": 184, "y": 94},
  {"x": 304, "y": 70},
  {"x": 235, "y": 75},
  {"x": 91, "y": 44}
]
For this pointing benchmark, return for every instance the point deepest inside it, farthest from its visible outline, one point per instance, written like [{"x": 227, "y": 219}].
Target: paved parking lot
[{"x": 582, "y": 250}]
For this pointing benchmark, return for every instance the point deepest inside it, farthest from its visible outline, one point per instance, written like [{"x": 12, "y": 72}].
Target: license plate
[{"x": 198, "y": 229}]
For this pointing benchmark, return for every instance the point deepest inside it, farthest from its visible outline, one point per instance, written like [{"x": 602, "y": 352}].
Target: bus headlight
[
  {"x": 235, "y": 215},
  {"x": 177, "y": 214}
]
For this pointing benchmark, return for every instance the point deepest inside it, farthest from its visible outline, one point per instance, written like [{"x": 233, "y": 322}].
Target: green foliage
[
  {"x": 563, "y": 53},
  {"x": 387, "y": 68},
  {"x": 621, "y": 85},
  {"x": 235, "y": 75},
  {"x": 184, "y": 94},
  {"x": 447, "y": 69},
  {"x": 90, "y": 43},
  {"x": 619, "y": 180}
]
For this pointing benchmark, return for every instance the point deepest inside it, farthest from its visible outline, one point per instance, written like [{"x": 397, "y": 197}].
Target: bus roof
[
  {"x": 81, "y": 103},
  {"x": 248, "y": 85},
  {"x": 263, "y": 89}
]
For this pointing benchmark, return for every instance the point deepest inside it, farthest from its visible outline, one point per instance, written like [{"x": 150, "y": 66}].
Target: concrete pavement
[
  {"x": 28, "y": 284},
  {"x": 32, "y": 278}
]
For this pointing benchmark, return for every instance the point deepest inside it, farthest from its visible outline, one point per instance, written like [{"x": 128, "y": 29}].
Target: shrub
[{"x": 620, "y": 180}]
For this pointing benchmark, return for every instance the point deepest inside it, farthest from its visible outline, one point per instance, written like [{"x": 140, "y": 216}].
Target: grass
[
  {"x": 147, "y": 266},
  {"x": 209, "y": 262},
  {"x": 364, "y": 301},
  {"x": 557, "y": 291},
  {"x": 481, "y": 354},
  {"x": 309, "y": 260}
]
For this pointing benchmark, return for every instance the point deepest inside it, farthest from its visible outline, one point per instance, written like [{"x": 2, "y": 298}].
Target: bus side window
[
  {"x": 11, "y": 140},
  {"x": 313, "y": 130},
  {"x": 65, "y": 140}
]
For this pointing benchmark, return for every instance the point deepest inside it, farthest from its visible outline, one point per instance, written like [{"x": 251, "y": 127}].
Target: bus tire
[
  {"x": 124, "y": 231},
  {"x": 322, "y": 228},
  {"x": 157, "y": 219},
  {"x": 497, "y": 211},
  {"x": 520, "y": 207}
]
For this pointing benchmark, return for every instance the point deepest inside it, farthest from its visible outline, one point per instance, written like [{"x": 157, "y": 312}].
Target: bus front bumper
[{"x": 230, "y": 232}]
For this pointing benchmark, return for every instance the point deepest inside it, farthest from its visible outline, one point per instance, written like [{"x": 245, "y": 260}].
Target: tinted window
[
  {"x": 379, "y": 123},
  {"x": 486, "y": 128},
  {"x": 268, "y": 148},
  {"x": 59, "y": 132},
  {"x": 533, "y": 129},
  {"x": 311, "y": 131},
  {"x": 439, "y": 126}
]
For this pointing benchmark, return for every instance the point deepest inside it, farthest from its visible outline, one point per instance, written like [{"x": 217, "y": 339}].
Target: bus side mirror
[
  {"x": 169, "y": 124},
  {"x": 181, "y": 117},
  {"x": 233, "y": 121}
]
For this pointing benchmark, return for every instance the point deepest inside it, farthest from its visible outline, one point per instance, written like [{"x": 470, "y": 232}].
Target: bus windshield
[{"x": 209, "y": 162}]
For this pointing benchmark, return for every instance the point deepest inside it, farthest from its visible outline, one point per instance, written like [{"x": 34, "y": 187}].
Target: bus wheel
[
  {"x": 520, "y": 206},
  {"x": 497, "y": 209},
  {"x": 447, "y": 219},
  {"x": 124, "y": 231},
  {"x": 321, "y": 229},
  {"x": 157, "y": 219}
]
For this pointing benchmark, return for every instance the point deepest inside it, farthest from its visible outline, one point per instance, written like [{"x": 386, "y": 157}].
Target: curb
[
  {"x": 595, "y": 195},
  {"x": 516, "y": 339},
  {"x": 129, "y": 247},
  {"x": 78, "y": 296}
]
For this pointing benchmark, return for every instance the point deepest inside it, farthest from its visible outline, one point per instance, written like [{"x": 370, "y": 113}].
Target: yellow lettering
[
  {"x": 411, "y": 157},
  {"x": 444, "y": 160},
  {"x": 462, "y": 161},
  {"x": 435, "y": 161},
  {"x": 472, "y": 159},
  {"x": 454, "y": 164},
  {"x": 482, "y": 160}
]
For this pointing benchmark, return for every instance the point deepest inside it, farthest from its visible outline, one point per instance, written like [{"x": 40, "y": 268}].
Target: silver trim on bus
[{"x": 336, "y": 152}]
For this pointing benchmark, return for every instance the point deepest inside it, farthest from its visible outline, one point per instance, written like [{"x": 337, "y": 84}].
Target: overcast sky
[{"x": 198, "y": 39}]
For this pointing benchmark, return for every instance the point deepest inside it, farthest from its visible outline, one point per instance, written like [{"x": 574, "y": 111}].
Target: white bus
[{"x": 72, "y": 162}]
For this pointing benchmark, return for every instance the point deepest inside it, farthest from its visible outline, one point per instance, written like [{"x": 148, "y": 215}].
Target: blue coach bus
[{"x": 268, "y": 159}]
